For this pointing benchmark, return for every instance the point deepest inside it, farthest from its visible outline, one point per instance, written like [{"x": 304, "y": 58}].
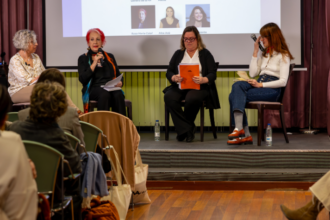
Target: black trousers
[
  {"x": 184, "y": 119},
  {"x": 105, "y": 100}
]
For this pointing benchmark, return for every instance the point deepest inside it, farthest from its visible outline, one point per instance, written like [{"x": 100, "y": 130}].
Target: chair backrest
[
  {"x": 12, "y": 116},
  {"x": 47, "y": 160},
  {"x": 74, "y": 141},
  {"x": 91, "y": 135},
  {"x": 284, "y": 88}
]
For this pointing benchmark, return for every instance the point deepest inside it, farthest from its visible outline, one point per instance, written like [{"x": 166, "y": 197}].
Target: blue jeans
[{"x": 242, "y": 92}]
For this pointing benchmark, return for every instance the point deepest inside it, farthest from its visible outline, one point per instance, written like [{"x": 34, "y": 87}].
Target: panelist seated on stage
[
  {"x": 93, "y": 74},
  {"x": 272, "y": 66},
  {"x": 192, "y": 51},
  {"x": 69, "y": 121},
  {"x": 169, "y": 21},
  {"x": 25, "y": 68}
]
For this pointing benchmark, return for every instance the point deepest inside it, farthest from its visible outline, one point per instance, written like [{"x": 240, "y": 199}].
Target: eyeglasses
[{"x": 191, "y": 39}]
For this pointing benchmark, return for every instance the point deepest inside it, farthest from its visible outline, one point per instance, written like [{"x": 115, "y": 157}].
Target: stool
[{"x": 128, "y": 104}]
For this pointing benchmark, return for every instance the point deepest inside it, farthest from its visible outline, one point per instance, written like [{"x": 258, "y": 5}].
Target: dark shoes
[
  {"x": 189, "y": 136},
  {"x": 181, "y": 137}
]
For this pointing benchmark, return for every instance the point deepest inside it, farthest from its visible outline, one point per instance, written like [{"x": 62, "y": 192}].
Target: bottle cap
[
  {"x": 157, "y": 120},
  {"x": 268, "y": 124}
]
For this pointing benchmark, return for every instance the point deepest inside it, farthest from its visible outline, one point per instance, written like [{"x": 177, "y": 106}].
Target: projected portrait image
[
  {"x": 198, "y": 15},
  {"x": 170, "y": 21},
  {"x": 143, "y": 17}
]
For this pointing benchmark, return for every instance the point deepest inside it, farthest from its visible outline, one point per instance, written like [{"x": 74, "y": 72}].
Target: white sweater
[{"x": 277, "y": 66}]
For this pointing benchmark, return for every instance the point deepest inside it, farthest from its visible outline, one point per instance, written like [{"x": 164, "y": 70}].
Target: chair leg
[
  {"x": 260, "y": 124},
  {"x": 130, "y": 116},
  {"x": 72, "y": 211},
  {"x": 211, "y": 111},
  {"x": 167, "y": 115},
  {"x": 231, "y": 128},
  {"x": 202, "y": 123},
  {"x": 283, "y": 124},
  {"x": 262, "y": 127}
]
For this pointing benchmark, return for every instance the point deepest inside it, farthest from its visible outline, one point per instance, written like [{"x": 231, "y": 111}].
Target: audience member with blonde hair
[
  {"x": 18, "y": 190},
  {"x": 48, "y": 103}
]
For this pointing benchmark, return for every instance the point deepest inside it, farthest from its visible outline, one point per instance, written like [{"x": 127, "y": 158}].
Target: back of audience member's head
[
  {"x": 48, "y": 102},
  {"x": 5, "y": 103},
  {"x": 52, "y": 75}
]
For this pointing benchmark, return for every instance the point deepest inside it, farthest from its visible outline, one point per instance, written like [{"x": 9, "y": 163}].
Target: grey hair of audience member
[{"x": 22, "y": 39}]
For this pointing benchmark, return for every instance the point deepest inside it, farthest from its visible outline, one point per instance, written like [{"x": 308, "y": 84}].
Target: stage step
[
  {"x": 235, "y": 174},
  {"x": 270, "y": 159}
]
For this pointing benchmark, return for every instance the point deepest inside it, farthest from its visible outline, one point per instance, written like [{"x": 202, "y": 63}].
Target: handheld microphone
[
  {"x": 101, "y": 60},
  {"x": 253, "y": 36}
]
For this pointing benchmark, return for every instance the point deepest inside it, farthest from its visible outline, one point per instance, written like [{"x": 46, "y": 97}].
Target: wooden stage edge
[{"x": 228, "y": 185}]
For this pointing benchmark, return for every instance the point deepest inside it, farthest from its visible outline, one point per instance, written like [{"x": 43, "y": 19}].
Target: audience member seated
[
  {"x": 69, "y": 122},
  {"x": 93, "y": 74},
  {"x": 320, "y": 200},
  {"x": 48, "y": 103},
  {"x": 18, "y": 190},
  {"x": 25, "y": 68},
  {"x": 192, "y": 51}
]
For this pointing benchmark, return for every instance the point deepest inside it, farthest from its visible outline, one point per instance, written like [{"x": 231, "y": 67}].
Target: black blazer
[
  {"x": 85, "y": 72},
  {"x": 209, "y": 70}
]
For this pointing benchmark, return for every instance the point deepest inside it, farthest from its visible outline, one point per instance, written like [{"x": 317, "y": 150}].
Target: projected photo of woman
[
  {"x": 198, "y": 17},
  {"x": 143, "y": 17},
  {"x": 169, "y": 21},
  {"x": 93, "y": 74}
]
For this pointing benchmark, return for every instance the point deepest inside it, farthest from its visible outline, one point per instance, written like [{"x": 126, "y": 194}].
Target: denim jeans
[{"x": 242, "y": 92}]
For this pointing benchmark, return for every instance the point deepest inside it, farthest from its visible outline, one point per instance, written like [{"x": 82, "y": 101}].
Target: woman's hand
[
  {"x": 120, "y": 84},
  {"x": 33, "y": 168},
  {"x": 35, "y": 79},
  {"x": 176, "y": 78},
  {"x": 98, "y": 57},
  {"x": 256, "y": 47},
  {"x": 200, "y": 79},
  {"x": 254, "y": 83}
]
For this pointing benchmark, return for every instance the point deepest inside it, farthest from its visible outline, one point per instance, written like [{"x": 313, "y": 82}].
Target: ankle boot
[{"x": 307, "y": 212}]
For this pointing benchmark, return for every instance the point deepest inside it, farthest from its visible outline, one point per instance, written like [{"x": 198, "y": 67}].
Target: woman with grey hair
[{"x": 25, "y": 68}]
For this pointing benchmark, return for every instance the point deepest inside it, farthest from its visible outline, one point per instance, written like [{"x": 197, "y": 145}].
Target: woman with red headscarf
[{"x": 93, "y": 74}]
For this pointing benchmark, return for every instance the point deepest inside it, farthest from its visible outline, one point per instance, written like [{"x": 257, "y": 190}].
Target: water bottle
[
  {"x": 157, "y": 131},
  {"x": 269, "y": 135}
]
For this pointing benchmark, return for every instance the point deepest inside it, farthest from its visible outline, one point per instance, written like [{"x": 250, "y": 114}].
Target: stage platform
[{"x": 305, "y": 158}]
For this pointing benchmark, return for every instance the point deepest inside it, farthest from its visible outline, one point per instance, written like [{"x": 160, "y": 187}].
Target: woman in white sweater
[{"x": 272, "y": 66}]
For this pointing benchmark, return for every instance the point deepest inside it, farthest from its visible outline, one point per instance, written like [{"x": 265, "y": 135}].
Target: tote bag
[
  {"x": 119, "y": 195},
  {"x": 140, "y": 194}
]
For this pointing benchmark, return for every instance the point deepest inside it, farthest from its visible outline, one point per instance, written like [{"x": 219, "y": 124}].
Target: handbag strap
[{"x": 138, "y": 159}]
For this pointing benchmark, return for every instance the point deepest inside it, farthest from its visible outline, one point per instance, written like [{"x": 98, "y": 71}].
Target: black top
[
  {"x": 100, "y": 76},
  {"x": 192, "y": 23},
  {"x": 167, "y": 25},
  {"x": 209, "y": 70},
  {"x": 51, "y": 135}
]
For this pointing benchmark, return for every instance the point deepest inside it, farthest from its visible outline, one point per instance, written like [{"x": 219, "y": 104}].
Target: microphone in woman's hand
[
  {"x": 101, "y": 60},
  {"x": 253, "y": 36}
]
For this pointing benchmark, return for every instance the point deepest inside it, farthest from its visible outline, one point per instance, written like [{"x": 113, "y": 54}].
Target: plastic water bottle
[
  {"x": 269, "y": 134},
  {"x": 157, "y": 131}
]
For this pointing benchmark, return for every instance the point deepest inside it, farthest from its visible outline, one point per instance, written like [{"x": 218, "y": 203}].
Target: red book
[{"x": 187, "y": 71}]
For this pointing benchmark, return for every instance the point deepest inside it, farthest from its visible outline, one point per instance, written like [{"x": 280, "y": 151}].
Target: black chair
[
  {"x": 261, "y": 106},
  {"x": 128, "y": 104},
  {"x": 211, "y": 111}
]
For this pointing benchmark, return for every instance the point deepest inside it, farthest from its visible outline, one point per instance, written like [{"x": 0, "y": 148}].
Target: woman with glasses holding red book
[{"x": 192, "y": 51}]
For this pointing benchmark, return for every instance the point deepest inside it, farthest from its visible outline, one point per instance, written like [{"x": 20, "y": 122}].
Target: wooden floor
[{"x": 220, "y": 205}]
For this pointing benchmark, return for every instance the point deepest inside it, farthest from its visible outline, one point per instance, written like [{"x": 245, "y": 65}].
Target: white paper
[{"x": 111, "y": 85}]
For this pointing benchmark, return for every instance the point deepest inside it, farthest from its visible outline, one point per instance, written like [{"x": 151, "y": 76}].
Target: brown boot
[{"x": 307, "y": 212}]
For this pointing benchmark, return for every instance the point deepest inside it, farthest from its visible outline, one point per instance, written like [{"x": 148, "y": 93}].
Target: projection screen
[{"x": 140, "y": 37}]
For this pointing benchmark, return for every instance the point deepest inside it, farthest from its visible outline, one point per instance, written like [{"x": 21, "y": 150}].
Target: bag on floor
[
  {"x": 140, "y": 194},
  {"x": 121, "y": 194},
  {"x": 101, "y": 210}
]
